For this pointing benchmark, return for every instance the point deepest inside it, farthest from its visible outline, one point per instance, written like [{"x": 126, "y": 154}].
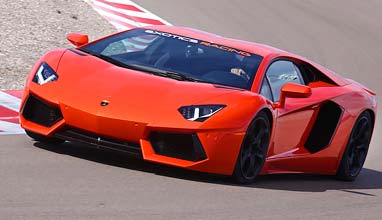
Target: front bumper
[{"x": 200, "y": 149}]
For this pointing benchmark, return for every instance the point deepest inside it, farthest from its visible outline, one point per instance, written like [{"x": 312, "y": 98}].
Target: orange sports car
[{"x": 199, "y": 101}]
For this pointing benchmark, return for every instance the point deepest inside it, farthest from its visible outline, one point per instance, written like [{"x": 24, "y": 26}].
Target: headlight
[
  {"x": 199, "y": 112},
  {"x": 45, "y": 74}
]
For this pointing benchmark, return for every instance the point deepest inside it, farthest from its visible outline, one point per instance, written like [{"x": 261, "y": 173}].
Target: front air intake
[
  {"x": 181, "y": 146},
  {"x": 40, "y": 112},
  {"x": 98, "y": 141}
]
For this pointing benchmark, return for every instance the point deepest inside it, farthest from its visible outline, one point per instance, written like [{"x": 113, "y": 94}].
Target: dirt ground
[{"x": 30, "y": 28}]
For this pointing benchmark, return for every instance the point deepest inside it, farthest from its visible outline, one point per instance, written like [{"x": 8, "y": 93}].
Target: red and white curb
[
  {"x": 9, "y": 112},
  {"x": 122, "y": 14},
  {"x": 125, "y": 14}
]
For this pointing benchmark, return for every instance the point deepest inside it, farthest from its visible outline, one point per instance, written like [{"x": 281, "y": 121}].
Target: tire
[
  {"x": 357, "y": 147},
  {"x": 43, "y": 139},
  {"x": 253, "y": 150}
]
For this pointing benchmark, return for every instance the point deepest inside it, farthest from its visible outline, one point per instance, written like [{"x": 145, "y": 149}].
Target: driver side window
[{"x": 281, "y": 72}]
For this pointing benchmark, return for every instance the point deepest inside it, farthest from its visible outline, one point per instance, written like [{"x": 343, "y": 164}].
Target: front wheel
[
  {"x": 43, "y": 139},
  {"x": 356, "y": 148},
  {"x": 253, "y": 150}
]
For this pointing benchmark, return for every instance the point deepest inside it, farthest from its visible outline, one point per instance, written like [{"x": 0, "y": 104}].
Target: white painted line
[
  {"x": 126, "y": 12},
  {"x": 10, "y": 128},
  {"x": 119, "y": 27},
  {"x": 117, "y": 11},
  {"x": 128, "y": 2},
  {"x": 9, "y": 101},
  {"x": 119, "y": 18}
]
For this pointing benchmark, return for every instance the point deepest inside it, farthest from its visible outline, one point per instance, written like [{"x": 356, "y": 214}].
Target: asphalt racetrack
[{"x": 74, "y": 182}]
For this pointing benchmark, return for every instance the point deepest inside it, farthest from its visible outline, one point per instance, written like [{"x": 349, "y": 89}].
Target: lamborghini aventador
[{"x": 199, "y": 101}]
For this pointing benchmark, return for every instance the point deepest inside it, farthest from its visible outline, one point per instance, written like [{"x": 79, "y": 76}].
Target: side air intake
[{"x": 324, "y": 127}]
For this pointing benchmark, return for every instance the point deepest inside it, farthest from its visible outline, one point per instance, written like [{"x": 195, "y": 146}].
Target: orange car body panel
[{"x": 141, "y": 103}]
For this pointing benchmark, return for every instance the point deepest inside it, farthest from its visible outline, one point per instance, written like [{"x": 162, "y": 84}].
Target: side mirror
[
  {"x": 292, "y": 90},
  {"x": 77, "y": 39}
]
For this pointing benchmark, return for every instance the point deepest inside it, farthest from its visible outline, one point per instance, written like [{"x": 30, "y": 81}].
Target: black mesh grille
[
  {"x": 182, "y": 146},
  {"x": 95, "y": 140},
  {"x": 39, "y": 112}
]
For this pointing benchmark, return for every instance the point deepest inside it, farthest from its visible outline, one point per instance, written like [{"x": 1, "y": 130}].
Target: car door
[{"x": 292, "y": 120}]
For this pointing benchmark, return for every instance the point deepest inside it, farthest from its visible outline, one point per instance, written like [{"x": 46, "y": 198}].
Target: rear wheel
[
  {"x": 43, "y": 139},
  {"x": 356, "y": 149},
  {"x": 253, "y": 150}
]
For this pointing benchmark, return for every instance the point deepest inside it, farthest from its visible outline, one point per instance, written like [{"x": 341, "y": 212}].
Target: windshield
[{"x": 192, "y": 59}]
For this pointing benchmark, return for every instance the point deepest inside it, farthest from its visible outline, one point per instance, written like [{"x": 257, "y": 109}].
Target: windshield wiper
[{"x": 165, "y": 73}]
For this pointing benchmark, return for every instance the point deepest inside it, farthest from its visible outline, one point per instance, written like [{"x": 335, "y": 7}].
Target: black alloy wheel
[
  {"x": 253, "y": 150},
  {"x": 357, "y": 147}
]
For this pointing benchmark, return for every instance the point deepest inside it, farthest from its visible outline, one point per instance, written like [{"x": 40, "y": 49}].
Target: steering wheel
[{"x": 192, "y": 51}]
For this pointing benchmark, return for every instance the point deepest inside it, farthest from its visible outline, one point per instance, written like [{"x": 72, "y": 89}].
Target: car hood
[{"x": 87, "y": 81}]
